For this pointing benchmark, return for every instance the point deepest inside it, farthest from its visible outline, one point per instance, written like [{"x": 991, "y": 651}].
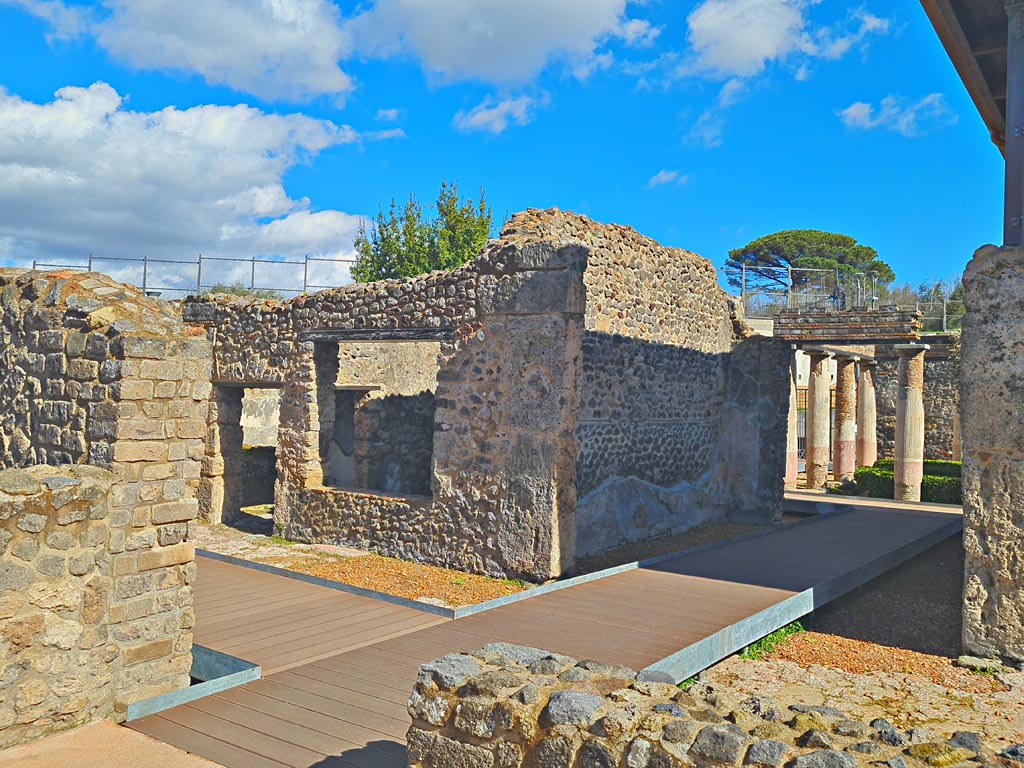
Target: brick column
[
  {"x": 792, "y": 454},
  {"x": 220, "y": 488},
  {"x": 819, "y": 406},
  {"x": 867, "y": 416},
  {"x": 845, "y": 455},
  {"x": 909, "y": 448}
]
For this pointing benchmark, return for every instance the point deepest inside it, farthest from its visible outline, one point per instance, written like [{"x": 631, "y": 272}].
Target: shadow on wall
[
  {"x": 672, "y": 437},
  {"x": 383, "y": 444}
]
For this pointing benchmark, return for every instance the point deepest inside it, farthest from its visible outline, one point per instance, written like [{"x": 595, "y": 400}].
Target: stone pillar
[
  {"x": 909, "y": 448},
  {"x": 992, "y": 413},
  {"x": 867, "y": 416},
  {"x": 957, "y": 440},
  {"x": 792, "y": 442},
  {"x": 220, "y": 486},
  {"x": 819, "y": 407},
  {"x": 844, "y": 458}
]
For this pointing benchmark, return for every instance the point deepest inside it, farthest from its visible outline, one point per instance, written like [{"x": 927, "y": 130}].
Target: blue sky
[{"x": 270, "y": 127}]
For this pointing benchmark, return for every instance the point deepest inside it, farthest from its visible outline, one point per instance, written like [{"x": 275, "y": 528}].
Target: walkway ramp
[{"x": 678, "y": 616}]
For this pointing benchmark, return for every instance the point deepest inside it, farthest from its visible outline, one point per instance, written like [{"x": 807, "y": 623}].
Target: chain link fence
[{"x": 171, "y": 279}]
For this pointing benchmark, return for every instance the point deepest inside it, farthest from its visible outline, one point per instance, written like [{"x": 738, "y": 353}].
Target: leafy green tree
[
  {"x": 766, "y": 259},
  {"x": 405, "y": 243},
  {"x": 240, "y": 290}
]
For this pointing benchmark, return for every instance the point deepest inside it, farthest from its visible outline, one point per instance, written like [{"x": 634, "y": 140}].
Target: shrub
[
  {"x": 931, "y": 467},
  {"x": 879, "y": 482}
]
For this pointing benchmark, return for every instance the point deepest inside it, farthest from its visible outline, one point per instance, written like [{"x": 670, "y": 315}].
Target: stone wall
[
  {"x": 569, "y": 359},
  {"x": 506, "y": 706},
  {"x": 992, "y": 408},
  {"x": 95, "y": 372},
  {"x": 864, "y": 326},
  {"x": 941, "y": 395}
]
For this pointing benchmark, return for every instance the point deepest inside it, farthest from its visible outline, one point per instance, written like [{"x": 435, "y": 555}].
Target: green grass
[
  {"x": 769, "y": 643},
  {"x": 688, "y": 683}
]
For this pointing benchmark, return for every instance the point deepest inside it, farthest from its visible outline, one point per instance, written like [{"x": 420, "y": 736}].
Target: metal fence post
[
  {"x": 944, "y": 314},
  {"x": 252, "y": 275},
  {"x": 743, "y": 286},
  {"x": 145, "y": 271},
  {"x": 90, "y": 262},
  {"x": 305, "y": 273},
  {"x": 199, "y": 277}
]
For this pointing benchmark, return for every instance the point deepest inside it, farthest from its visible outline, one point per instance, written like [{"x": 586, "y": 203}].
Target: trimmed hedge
[
  {"x": 879, "y": 481},
  {"x": 936, "y": 467}
]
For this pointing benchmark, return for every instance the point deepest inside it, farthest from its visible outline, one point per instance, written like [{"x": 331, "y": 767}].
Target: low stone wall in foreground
[{"x": 506, "y": 706}]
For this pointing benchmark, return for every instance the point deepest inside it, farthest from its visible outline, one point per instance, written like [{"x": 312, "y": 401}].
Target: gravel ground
[{"x": 887, "y": 650}]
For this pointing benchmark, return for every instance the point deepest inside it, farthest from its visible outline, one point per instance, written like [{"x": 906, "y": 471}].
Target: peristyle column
[
  {"x": 792, "y": 443},
  {"x": 844, "y": 457},
  {"x": 819, "y": 407},
  {"x": 909, "y": 449},
  {"x": 867, "y": 416}
]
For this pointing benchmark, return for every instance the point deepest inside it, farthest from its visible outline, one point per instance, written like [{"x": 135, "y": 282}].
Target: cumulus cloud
[
  {"x": 82, "y": 174},
  {"x": 739, "y": 38},
  {"x": 496, "y": 41},
  {"x": 710, "y": 126},
  {"x": 665, "y": 177},
  {"x": 895, "y": 113},
  {"x": 388, "y": 115},
  {"x": 282, "y": 50},
  {"x": 495, "y": 117}
]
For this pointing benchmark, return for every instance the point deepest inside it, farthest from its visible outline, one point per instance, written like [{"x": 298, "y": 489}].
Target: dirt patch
[{"x": 249, "y": 539}]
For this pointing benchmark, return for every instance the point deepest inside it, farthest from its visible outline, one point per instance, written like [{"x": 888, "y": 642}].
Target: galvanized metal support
[
  {"x": 1013, "y": 225},
  {"x": 199, "y": 277}
]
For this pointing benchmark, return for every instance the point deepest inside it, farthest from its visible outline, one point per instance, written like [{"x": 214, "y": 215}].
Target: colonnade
[{"x": 854, "y": 436}]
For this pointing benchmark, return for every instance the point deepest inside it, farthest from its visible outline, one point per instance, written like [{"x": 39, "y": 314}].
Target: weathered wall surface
[
  {"x": 653, "y": 429},
  {"x": 261, "y": 413},
  {"x": 941, "y": 395},
  {"x": 515, "y": 707},
  {"x": 992, "y": 408},
  {"x": 128, "y": 384}
]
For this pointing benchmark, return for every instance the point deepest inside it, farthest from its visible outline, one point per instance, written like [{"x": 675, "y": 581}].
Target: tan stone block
[
  {"x": 177, "y": 451},
  {"x": 10, "y": 603},
  {"x": 140, "y": 517},
  {"x": 191, "y": 470},
  {"x": 159, "y": 471},
  {"x": 140, "y": 429},
  {"x": 151, "y": 491},
  {"x": 190, "y": 428},
  {"x": 177, "y": 554},
  {"x": 175, "y": 511},
  {"x": 133, "y": 389},
  {"x": 139, "y": 451},
  {"x": 202, "y": 390},
  {"x": 165, "y": 390},
  {"x": 124, "y": 564},
  {"x": 154, "y": 410},
  {"x": 139, "y": 609},
  {"x": 147, "y": 651},
  {"x": 161, "y": 370},
  {"x": 116, "y": 614}
]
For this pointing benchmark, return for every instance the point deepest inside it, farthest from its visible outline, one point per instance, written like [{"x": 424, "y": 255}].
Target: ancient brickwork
[
  {"x": 992, "y": 408},
  {"x": 570, "y": 358},
  {"x": 941, "y": 395},
  {"x": 129, "y": 385},
  {"x": 652, "y": 428},
  {"x": 515, "y": 707}
]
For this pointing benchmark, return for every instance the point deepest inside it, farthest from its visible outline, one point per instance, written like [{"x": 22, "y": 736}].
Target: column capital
[{"x": 913, "y": 349}]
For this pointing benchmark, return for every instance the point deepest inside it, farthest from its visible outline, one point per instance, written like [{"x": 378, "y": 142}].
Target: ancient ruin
[
  {"x": 576, "y": 387},
  {"x": 95, "y": 562}
]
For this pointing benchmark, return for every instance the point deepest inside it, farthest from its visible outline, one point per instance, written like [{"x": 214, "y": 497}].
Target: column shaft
[
  {"x": 792, "y": 443},
  {"x": 909, "y": 449},
  {"x": 867, "y": 417},
  {"x": 819, "y": 407},
  {"x": 845, "y": 455}
]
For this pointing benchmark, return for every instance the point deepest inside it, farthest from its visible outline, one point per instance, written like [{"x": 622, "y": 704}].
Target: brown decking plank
[
  {"x": 297, "y": 599},
  {"x": 245, "y": 737},
  {"x": 305, "y": 621},
  {"x": 199, "y": 742},
  {"x": 349, "y": 626},
  {"x": 352, "y": 710},
  {"x": 391, "y": 688},
  {"x": 330, "y": 687},
  {"x": 299, "y": 733}
]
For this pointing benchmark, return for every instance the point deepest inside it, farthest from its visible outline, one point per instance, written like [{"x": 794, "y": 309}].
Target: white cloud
[
  {"x": 638, "y": 32},
  {"x": 496, "y": 41},
  {"x": 495, "y": 118},
  {"x": 739, "y": 38},
  {"x": 664, "y": 177},
  {"x": 81, "y": 174},
  {"x": 388, "y": 115},
  {"x": 283, "y": 50},
  {"x": 895, "y": 113},
  {"x": 710, "y": 126},
  {"x": 66, "y": 22}
]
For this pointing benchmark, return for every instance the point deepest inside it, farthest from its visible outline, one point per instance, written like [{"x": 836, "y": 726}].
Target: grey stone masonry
[{"x": 508, "y": 707}]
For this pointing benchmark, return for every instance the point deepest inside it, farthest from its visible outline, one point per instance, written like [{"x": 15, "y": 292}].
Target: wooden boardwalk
[{"x": 348, "y": 709}]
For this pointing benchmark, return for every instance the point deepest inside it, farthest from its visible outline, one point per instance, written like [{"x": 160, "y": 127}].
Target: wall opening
[{"x": 260, "y": 417}]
